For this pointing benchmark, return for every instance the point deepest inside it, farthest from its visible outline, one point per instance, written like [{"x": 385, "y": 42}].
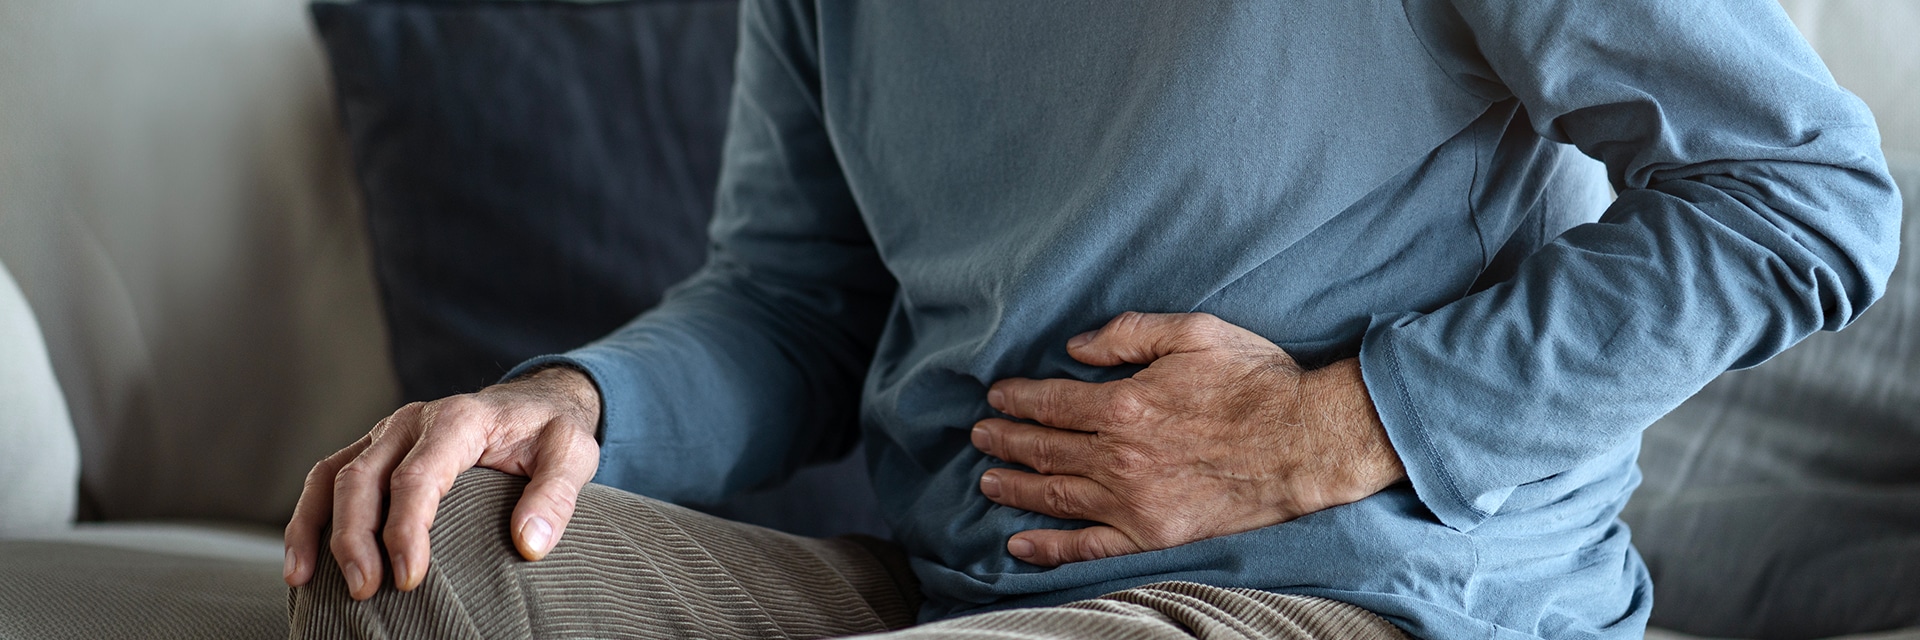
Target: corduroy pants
[{"x": 632, "y": 567}]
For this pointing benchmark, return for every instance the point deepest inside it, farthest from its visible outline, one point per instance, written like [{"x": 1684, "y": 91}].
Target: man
[{"x": 1159, "y": 319}]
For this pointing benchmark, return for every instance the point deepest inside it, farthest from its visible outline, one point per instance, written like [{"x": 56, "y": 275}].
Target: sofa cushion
[
  {"x": 40, "y": 460},
  {"x": 1784, "y": 501},
  {"x": 143, "y": 581}
]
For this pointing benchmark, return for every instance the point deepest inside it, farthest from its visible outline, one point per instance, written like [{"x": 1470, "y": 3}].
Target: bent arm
[
  {"x": 1754, "y": 208},
  {"x": 754, "y": 365}
]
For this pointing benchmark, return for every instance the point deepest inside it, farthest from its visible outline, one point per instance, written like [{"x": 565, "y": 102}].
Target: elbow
[
  {"x": 1864, "y": 248},
  {"x": 1836, "y": 224},
  {"x": 1830, "y": 237}
]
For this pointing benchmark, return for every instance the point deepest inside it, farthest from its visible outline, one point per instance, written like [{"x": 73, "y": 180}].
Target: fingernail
[
  {"x": 536, "y": 533},
  {"x": 288, "y": 566},
  {"x": 995, "y": 398},
  {"x": 1020, "y": 548},
  {"x": 1080, "y": 340},
  {"x": 982, "y": 440},
  {"x": 354, "y": 579},
  {"x": 402, "y": 572},
  {"x": 990, "y": 485}
]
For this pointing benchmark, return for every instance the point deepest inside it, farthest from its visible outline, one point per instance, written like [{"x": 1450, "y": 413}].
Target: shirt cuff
[{"x": 1415, "y": 439}]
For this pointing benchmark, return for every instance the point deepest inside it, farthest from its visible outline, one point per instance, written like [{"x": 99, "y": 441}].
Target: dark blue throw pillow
[{"x": 535, "y": 175}]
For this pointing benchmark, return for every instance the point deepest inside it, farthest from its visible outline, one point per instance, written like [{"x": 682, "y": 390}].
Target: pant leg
[
  {"x": 626, "y": 567},
  {"x": 1169, "y": 611}
]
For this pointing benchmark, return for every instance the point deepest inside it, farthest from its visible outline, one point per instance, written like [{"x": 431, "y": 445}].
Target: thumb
[
  {"x": 1141, "y": 338},
  {"x": 566, "y": 459}
]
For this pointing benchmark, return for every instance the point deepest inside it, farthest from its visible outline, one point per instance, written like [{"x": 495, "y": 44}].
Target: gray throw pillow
[{"x": 1784, "y": 501}]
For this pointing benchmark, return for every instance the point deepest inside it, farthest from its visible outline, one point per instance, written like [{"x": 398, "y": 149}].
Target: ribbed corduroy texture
[
  {"x": 626, "y": 567},
  {"x": 52, "y": 590},
  {"x": 1168, "y": 611},
  {"x": 632, "y": 567}
]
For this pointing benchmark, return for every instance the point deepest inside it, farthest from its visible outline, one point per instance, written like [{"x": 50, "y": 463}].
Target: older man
[{"x": 1287, "y": 319}]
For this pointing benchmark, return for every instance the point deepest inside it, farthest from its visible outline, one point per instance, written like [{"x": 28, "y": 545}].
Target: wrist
[
  {"x": 1336, "y": 397},
  {"x": 569, "y": 386}
]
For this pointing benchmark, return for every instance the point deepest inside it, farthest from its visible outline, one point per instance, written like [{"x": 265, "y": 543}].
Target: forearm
[
  {"x": 722, "y": 388},
  {"x": 1753, "y": 210},
  {"x": 1599, "y": 334}
]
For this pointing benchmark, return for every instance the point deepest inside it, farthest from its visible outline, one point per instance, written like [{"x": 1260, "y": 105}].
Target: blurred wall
[
  {"x": 175, "y": 203},
  {"x": 1873, "y": 48},
  {"x": 174, "y": 200}
]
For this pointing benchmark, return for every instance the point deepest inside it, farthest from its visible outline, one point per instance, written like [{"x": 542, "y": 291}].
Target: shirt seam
[
  {"x": 1420, "y": 431},
  {"x": 1432, "y": 57}
]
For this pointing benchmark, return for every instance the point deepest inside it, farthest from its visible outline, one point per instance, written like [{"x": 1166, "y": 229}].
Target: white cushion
[{"x": 39, "y": 458}]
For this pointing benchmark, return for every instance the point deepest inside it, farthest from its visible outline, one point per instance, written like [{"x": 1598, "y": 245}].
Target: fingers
[
  {"x": 311, "y": 514},
  {"x": 418, "y": 483},
  {"x": 1055, "y": 547},
  {"x": 359, "y": 492},
  {"x": 1141, "y": 338},
  {"x": 1065, "y": 497},
  {"x": 1046, "y": 449},
  {"x": 1067, "y": 404},
  {"x": 390, "y": 483},
  {"x": 567, "y": 459}
]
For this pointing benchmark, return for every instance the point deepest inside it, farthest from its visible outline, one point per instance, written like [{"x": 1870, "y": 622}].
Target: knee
[
  {"x": 471, "y": 522},
  {"x": 478, "y": 494},
  {"x": 472, "y": 561}
]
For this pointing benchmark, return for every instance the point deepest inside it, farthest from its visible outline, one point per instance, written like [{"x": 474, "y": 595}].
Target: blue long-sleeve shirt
[{"x": 920, "y": 198}]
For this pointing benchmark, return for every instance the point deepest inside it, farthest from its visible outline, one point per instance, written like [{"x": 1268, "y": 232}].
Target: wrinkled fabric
[{"x": 918, "y": 199}]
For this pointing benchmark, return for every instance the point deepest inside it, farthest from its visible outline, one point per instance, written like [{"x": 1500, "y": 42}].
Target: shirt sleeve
[
  {"x": 754, "y": 365},
  {"x": 1754, "y": 208}
]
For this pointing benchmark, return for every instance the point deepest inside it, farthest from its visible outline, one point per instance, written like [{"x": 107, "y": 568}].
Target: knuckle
[
  {"x": 1167, "y": 532},
  {"x": 1128, "y": 461},
  {"x": 1062, "y": 501},
  {"x": 531, "y": 414},
  {"x": 380, "y": 428},
  {"x": 396, "y": 536},
  {"x": 356, "y": 474},
  {"x": 1153, "y": 532},
  {"x": 1201, "y": 327},
  {"x": 1041, "y": 453},
  {"x": 1125, "y": 407},
  {"x": 409, "y": 476},
  {"x": 448, "y": 411},
  {"x": 322, "y": 471},
  {"x": 550, "y": 425},
  {"x": 563, "y": 503},
  {"x": 407, "y": 414},
  {"x": 1048, "y": 400},
  {"x": 1089, "y": 548}
]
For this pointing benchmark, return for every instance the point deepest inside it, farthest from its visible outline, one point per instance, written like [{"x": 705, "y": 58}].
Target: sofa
[{"x": 194, "y": 308}]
